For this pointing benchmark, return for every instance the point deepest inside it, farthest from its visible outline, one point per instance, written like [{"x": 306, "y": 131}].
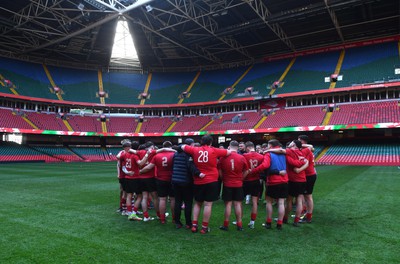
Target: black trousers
[{"x": 183, "y": 193}]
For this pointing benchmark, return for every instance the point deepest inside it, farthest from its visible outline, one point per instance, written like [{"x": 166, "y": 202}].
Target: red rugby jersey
[
  {"x": 150, "y": 173},
  {"x": 295, "y": 159},
  {"x": 163, "y": 162},
  {"x": 254, "y": 160},
  {"x": 232, "y": 168},
  {"x": 205, "y": 159},
  {"x": 130, "y": 162},
  {"x": 310, "y": 157}
]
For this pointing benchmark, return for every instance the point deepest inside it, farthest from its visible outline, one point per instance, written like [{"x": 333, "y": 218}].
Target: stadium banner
[{"x": 200, "y": 133}]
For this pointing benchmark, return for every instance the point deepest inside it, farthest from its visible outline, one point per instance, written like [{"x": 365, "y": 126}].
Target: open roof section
[{"x": 187, "y": 34}]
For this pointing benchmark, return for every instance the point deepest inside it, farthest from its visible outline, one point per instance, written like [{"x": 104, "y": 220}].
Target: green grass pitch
[{"x": 65, "y": 213}]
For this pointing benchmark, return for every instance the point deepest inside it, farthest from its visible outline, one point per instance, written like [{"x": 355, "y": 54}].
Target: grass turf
[{"x": 65, "y": 213}]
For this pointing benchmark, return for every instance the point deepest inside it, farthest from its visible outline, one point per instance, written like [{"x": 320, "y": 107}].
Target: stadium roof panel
[{"x": 187, "y": 34}]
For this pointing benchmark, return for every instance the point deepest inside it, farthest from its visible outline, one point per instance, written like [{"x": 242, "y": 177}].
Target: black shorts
[
  {"x": 148, "y": 185},
  {"x": 310, "y": 184},
  {"x": 252, "y": 187},
  {"x": 122, "y": 182},
  {"x": 132, "y": 186},
  {"x": 206, "y": 192},
  {"x": 296, "y": 188},
  {"x": 164, "y": 188},
  {"x": 232, "y": 194},
  {"x": 277, "y": 191}
]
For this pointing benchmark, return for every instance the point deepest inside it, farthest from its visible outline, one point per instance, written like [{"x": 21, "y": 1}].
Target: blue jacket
[{"x": 183, "y": 169}]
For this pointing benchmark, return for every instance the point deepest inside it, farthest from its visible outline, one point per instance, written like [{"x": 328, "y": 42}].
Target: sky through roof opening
[{"x": 124, "y": 51}]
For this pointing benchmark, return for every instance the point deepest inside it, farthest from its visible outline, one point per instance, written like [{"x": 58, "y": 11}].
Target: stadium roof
[{"x": 187, "y": 34}]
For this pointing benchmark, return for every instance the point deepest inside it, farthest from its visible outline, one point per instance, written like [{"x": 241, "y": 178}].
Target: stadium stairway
[
  {"x": 322, "y": 153},
  {"x": 67, "y": 125},
  {"x": 101, "y": 88},
  {"x": 138, "y": 127},
  {"x": 29, "y": 122},
  {"x": 171, "y": 127},
  {"x": 104, "y": 127},
  {"x": 337, "y": 69},
  {"x": 327, "y": 118},
  {"x": 283, "y": 75},
  {"x": 53, "y": 84},
  {"x": 236, "y": 83},
  {"x": 146, "y": 88},
  {"x": 46, "y": 153},
  {"x": 190, "y": 87},
  {"x": 208, "y": 124},
  {"x": 259, "y": 123},
  {"x": 12, "y": 89}
]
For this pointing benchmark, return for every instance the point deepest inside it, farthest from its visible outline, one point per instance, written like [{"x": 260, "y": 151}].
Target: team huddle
[{"x": 190, "y": 176}]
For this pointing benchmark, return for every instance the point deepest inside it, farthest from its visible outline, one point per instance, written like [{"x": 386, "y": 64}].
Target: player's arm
[
  {"x": 276, "y": 151},
  {"x": 194, "y": 171},
  {"x": 165, "y": 150},
  {"x": 147, "y": 168},
  {"x": 144, "y": 159},
  {"x": 119, "y": 154},
  {"x": 305, "y": 166},
  {"x": 309, "y": 146},
  {"x": 133, "y": 151},
  {"x": 263, "y": 166},
  {"x": 127, "y": 172}
]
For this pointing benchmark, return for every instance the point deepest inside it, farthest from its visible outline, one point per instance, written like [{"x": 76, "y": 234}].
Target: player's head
[
  {"x": 234, "y": 145},
  {"x": 273, "y": 143},
  {"x": 126, "y": 144},
  {"x": 242, "y": 146},
  {"x": 258, "y": 148},
  {"x": 295, "y": 144},
  {"x": 264, "y": 146},
  {"x": 303, "y": 138},
  {"x": 206, "y": 140},
  {"x": 221, "y": 146},
  {"x": 149, "y": 145},
  {"x": 142, "y": 147},
  {"x": 189, "y": 141},
  {"x": 249, "y": 146},
  {"x": 135, "y": 145},
  {"x": 167, "y": 144}
]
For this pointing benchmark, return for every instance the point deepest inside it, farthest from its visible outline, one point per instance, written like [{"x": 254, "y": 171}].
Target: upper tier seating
[
  {"x": 305, "y": 116},
  {"x": 369, "y": 64},
  {"x": 366, "y": 113},
  {"x": 309, "y": 72},
  {"x": 166, "y": 87},
  {"x": 366, "y": 64}
]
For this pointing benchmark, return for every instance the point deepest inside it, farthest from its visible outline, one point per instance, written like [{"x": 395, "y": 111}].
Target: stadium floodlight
[
  {"x": 117, "y": 5},
  {"x": 81, "y": 6}
]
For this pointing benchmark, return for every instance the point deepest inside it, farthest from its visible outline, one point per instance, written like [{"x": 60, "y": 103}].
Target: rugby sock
[
  {"x": 129, "y": 208},
  {"x": 279, "y": 222},
  {"x": 135, "y": 209},
  {"x": 253, "y": 217},
  {"x": 239, "y": 224},
  {"x": 162, "y": 217},
  {"x": 146, "y": 214},
  {"x": 226, "y": 223},
  {"x": 194, "y": 223},
  {"x": 269, "y": 220},
  {"x": 309, "y": 216},
  {"x": 296, "y": 219},
  {"x": 122, "y": 202},
  {"x": 204, "y": 224},
  {"x": 159, "y": 215}
]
